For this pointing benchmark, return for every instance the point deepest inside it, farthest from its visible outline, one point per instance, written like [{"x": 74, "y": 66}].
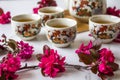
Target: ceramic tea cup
[
  {"x": 47, "y": 13},
  {"x": 104, "y": 27},
  {"x": 26, "y": 26},
  {"x": 61, "y": 32}
]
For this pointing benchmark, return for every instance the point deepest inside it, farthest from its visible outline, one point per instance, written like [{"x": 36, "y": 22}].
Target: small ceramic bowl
[
  {"x": 26, "y": 26},
  {"x": 61, "y": 32},
  {"x": 104, "y": 27},
  {"x": 51, "y": 12}
]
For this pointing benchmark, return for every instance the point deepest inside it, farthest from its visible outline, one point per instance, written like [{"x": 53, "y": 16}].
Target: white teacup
[
  {"x": 51, "y": 12},
  {"x": 104, "y": 27},
  {"x": 26, "y": 26},
  {"x": 61, "y": 32}
]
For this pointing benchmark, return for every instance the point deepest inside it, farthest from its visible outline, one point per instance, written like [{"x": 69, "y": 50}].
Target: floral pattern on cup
[
  {"x": 87, "y": 7},
  {"x": 47, "y": 17},
  {"x": 28, "y": 30},
  {"x": 62, "y": 36},
  {"x": 104, "y": 32}
]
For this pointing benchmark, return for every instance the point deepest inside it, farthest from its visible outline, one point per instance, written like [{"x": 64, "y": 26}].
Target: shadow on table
[
  {"x": 117, "y": 75},
  {"x": 24, "y": 75},
  {"x": 33, "y": 59},
  {"x": 40, "y": 37},
  {"x": 76, "y": 44},
  {"x": 70, "y": 73}
]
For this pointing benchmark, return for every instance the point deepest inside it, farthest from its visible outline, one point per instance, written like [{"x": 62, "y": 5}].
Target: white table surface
[{"x": 26, "y": 6}]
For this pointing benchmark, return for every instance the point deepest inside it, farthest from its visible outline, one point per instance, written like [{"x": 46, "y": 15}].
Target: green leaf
[
  {"x": 96, "y": 47},
  {"x": 94, "y": 54},
  {"x": 94, "y": 69},
  {"x": 46, "y": 47},
  {"x": 86, "y": 58},
  {"x": 114, "y": 66},
  {"x": 2, "y": 76},
  {"x": 97, "y": 44},
  {"x": 39, "y": 56},
  {"x": 12, "y": 44},
  {"x": 1, "y": 11},
  {"x": 42, "y": 72}
]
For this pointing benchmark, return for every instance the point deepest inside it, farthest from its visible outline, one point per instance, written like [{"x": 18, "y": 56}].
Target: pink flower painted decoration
[
  {"x": 84, "y": 49},
  {"x": 5, "y": 18},
  {"x": 51, "y": 63},
  {"x": 25, "y": 50},
  {"x": 113, "y": 11},
  {"x": 106, "y": 55},
  {"x": 9, "y": 66},
  {"x": 105, "y": 69}
]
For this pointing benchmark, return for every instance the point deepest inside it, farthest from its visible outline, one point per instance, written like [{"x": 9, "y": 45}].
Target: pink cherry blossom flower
[
  {"x": 113, "y": 11},
  {"x": 84, "y": 49},
  {"x": 0, "y": 70},
  {"x": 25, "y": 50},
  {"x": 90, "y": 35},
  {"x": 35, "y": 10},
  {"x": 106, "y": 55},
  {"x": 51, "y": 63},
  {"x": 105, "y": 69},
  {"x": 5, "y": 18},
  {"x": 9, "y": 66},
  {"x": 44, "y": 3},
  {"x": 100, "y": 61}
]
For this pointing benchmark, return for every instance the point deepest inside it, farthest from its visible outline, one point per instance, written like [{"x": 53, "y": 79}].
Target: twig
[
  {"x": 78, "y": 67},
  {"x": 28, "y": 67}
]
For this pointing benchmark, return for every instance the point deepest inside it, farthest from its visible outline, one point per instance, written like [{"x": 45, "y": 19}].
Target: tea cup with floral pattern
[
  {"x": 104, "y": 27},
  {"x": 61, "y": 32},
  {"x": 26, "y": 26},
  {"x": 51, "y": 12}
]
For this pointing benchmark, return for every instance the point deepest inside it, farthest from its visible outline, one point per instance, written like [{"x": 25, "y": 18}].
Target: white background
[{"x": 25, "y": 6}]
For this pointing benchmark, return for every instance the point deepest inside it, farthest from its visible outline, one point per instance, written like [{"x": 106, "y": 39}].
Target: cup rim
[
  {"x": 22, "y": 15},
  {"x": 59, "y": 9},
  {"x": 58, "y": 19},
  {"x": 104, "y": 15}
]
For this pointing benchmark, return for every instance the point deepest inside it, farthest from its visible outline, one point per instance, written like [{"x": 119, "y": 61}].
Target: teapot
[{"x": 83, "y": 9}]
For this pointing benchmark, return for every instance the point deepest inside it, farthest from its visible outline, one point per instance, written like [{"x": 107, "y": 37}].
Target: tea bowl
[
  {"x": 50, "y": 12},
  {"x": 104, "y": 27},
  {"x": 61, "y": 32},
  {"x": 26, "y": 26}
]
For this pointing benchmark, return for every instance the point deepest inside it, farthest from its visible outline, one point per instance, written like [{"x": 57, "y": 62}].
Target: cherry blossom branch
[
  {"x": 28, "y": 67},
  {"x": 78, "y": 67}
]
